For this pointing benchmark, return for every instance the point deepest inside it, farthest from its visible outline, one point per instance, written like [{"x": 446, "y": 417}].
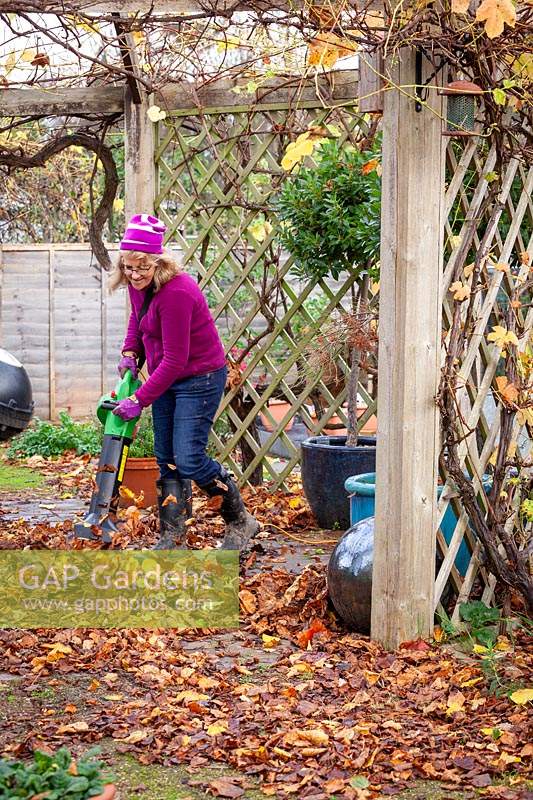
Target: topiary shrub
[{"x": 330, "y": 213}]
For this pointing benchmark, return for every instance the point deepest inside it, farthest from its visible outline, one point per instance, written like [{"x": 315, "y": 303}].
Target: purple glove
[
  {"x": 128, "y": 409},
  {"x": 128, "y": 362}
]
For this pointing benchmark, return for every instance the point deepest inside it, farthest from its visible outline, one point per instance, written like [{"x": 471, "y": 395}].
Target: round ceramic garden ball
[
  {"x": 350, "y": 575},
  {"x": 16, "y": 404}
]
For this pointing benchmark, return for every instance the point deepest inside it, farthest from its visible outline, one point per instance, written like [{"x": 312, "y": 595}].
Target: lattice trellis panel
[
  {"x": 505, "y": 236},
  {"x": 218, "y": 174}
]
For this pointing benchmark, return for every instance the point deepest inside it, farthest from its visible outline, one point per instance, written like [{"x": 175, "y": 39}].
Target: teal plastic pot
[{"x": 362, "y": 491}]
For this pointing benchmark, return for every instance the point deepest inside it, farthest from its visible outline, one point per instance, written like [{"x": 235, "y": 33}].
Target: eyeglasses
[{"x": 138, "y": 270}]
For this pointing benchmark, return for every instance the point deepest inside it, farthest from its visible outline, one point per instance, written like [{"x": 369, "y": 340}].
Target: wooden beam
[
  {"x": 195, "y": 7},
  {"x": 332, "y": 87},
  {"x": 95, "y": 99},
  {"x": 409, "y": 360}
]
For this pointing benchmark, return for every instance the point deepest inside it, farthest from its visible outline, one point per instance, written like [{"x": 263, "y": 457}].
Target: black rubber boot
[
  {"x": 241, "y": 526},
  {"x": 172, "y": 515}
]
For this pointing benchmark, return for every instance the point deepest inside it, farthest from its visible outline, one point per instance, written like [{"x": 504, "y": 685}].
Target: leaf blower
[{"x": 99, "y": 524}]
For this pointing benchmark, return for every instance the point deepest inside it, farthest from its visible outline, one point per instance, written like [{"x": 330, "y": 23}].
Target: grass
[
  {"x": 15, "y": 478},
  {"x": 136, "y": 781}
]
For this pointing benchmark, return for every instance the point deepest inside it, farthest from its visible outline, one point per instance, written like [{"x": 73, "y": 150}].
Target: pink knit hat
[{"x": 144, "y": 233}]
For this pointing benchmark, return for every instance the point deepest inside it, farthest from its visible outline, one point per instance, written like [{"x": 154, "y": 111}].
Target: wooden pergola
[{"x": 410, "y": 290}]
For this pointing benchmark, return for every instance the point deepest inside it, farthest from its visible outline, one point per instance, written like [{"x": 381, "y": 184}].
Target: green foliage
[
  {"x": 51, "y": 776},
  {"x": 330, "y": 213},
  {"x": 143, "y": 444},
  {"x": 481, "y": 621},
  {"x": 49, "y": 439}
]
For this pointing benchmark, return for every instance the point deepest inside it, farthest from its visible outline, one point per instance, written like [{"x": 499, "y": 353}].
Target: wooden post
[
  {"x": 52, "y": 383},
  {"x": 409, "y": 359},
  {"x": 138, "y": 157}
]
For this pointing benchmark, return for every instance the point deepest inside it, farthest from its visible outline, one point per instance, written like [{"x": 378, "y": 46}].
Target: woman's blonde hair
[{"x": 165, "y": 269}]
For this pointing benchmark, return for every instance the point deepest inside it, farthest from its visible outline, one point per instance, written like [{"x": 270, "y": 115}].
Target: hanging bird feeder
[{"x": 461, "y": 108}]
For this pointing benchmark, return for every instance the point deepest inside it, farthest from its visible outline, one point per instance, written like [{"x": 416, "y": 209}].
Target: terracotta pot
[
  {"x": 278, "y": 409},
  {"x": 109, "y": 792},
  {"x": 369, "y": 429},
  {"x": 371, "y": 425},
  {"x": 140, "y": 475}
]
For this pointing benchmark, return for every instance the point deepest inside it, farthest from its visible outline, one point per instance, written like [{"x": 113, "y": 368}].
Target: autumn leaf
[
  {"x": 370, "y": 166},
  {"x": 135, "y": 736},
  {"x": 207, "y": 683},
  {"x": 40, "y": 60},
  {"x": 127, "y": 494},
  {"x": 326, "y": 49},
  {"x": 306, "y": 636},
  {"x": 260, "y": 230},
  {"x": 297, "y": 151},
  {"x": 225, "y": 787},
  {"x": 456, "y": 702},
  {"x": 522, "y": 696},
  {"x": 438, "y": 634},
  {"x": 525, "y": 415},
  {"x": 507, "y": 391},
  {"x": 502, "y": 268},
  {"x": 502, "y": 337},
  {"x": 170, "y": 498},
  {"x": 461, "y": 291},
  {"x": 495, "y": 13},
  {"x": 221, "y": 726},
  {"x": 247, "y": 601},
  {"x": 460, "y": 6},
  {"x": 228, "y": 43},
  {"x": 269, "y": 641},
  {"x": 75, "y": 727},
  {"x": 314, "y": 736},
  {"x": 215, "y": 503},
  {"x": 189, "y": 695}
]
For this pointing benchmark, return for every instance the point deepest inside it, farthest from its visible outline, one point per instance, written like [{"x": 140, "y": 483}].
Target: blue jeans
[{"x": 183, "y": 417}]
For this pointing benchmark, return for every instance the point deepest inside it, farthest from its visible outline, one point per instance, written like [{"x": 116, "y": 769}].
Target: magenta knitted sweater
[{"x": 178, "y": 333}]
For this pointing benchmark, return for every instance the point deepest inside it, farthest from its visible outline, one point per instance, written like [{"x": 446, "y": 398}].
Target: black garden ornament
[{"x": 461, "y": 108}]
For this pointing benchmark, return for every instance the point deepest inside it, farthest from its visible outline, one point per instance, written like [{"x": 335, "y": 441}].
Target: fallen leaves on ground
[{"x": 290, "y": 698}]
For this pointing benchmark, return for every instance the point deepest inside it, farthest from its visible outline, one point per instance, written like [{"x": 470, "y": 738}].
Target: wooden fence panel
[
  {"x": 58, "y": 318},
  {"x": 25, "y": 316}
]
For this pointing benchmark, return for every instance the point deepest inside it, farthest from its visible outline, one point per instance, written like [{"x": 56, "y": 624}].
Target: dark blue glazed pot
[{"x": 326, "y": 464}]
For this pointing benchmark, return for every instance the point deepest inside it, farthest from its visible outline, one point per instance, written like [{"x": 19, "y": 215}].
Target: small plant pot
[
  {"x": 362, "y": 493},
  {"x": 109, "y": 792},
  {"x": 278, "y": 409},
  {"x": 371, "y": 425},
  {"x": 140, "y": 475},
  {"x": 369, "y": 428}
]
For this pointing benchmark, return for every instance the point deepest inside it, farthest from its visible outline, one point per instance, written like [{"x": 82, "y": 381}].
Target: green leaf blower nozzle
[{"x": 100, "y": 523}]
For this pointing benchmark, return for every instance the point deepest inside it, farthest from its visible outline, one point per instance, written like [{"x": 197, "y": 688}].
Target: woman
[{"x": 171, "y": 325}]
